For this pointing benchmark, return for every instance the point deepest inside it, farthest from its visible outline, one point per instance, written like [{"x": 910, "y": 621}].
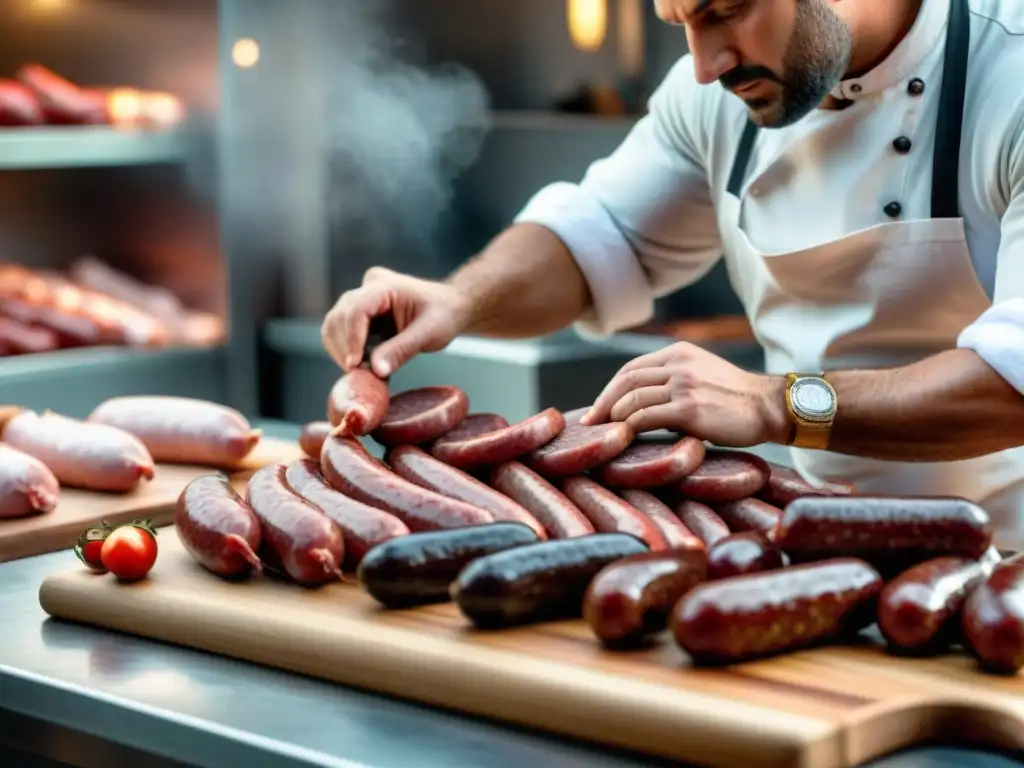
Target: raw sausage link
[
  {"x": 632, "y": 598},
  {"x": 677, "y": 535},
  {"x": 539, "y": 581},
  {"x": 218, "y": 528},
  {"x": 298, "y": 539},
  {"x": 746, "y": 617},
  {"x": 357, "y": 403},
  {"x": 891, "y": 533},
  {"x": 702, "y": 521},
  {"x": 503, "y": 445},
  {"x": 918, "y": 611},
  {"x": 419, "y": 467},
  {"x": 421, "y": 415},
  {"x": 72, "y": 330},
  {"x": 180, "y": 429},
  {"x": 473, "y": 425},
  {"x": 725, "y": 476},
  {"x": 351, "y": 470},
  {"x": 610, "y": 514},
  {"x": 362, "y": 526},
  {"x": 751, "y": 515},
  {"x": 648, "y": 464},
  {"x": 786, "y": 485},
  {"x": 742, "y": 553},
  {"x": 311, "y": 439},
  {"x": 560, "y": 517},
  {"x": 419, "y": 568},
  {"x": 579, "y": 449},
  {"x": 27, "y": 486},
  {"x": 993, "y": 618},
  {"x": 80, "y": 454}
]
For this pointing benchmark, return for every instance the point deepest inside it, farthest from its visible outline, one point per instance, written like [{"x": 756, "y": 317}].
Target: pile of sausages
[
  {"x": 114, "y": 449},
  {"x": 43, "y": 311},
  {"x": 550, "y": 519}
]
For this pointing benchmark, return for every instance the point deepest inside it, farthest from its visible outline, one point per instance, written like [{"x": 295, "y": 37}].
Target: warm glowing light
[
  {"x": 245, "y": 53},
  {"x": 49, "y": 5},
  {"x": 588, "y": 23},
  {"x": 124, "y": 105}
]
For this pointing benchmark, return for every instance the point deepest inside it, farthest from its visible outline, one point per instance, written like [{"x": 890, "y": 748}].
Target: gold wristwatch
[{"x": 811, "y": 402}]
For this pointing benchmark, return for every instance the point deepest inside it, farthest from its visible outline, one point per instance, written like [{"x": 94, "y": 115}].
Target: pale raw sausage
[
  {"x": 27, "y": 486},
  {"x": 357, "y": 403}
]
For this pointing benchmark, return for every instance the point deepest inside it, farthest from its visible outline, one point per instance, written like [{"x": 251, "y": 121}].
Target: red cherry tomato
[
  {"x": 129, "y": 552},
  {"x": 89, "y": 545}
]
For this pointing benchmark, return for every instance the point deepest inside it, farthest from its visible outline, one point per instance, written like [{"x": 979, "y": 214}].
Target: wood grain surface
[
  {"x": 78, "y": 510},
  {"x": 825, "y": 708}
]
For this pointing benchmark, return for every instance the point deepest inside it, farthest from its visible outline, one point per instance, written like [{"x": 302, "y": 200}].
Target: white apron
[{"x": 883, "y": 297}]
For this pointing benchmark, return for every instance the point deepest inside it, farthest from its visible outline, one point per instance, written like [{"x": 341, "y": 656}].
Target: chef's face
[{"x": 781, "y": 57}]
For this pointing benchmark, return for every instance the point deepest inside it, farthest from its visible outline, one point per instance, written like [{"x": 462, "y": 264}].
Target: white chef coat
[{"x": 642, "y": 222}]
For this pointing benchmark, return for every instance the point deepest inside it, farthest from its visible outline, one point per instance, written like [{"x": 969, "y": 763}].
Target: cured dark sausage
[
  {"x": 702, "y": 521},
  {"x": 919, "y": 610},
  {"x": 786, "y": 485},
  {"x": 677, "y": 535},
  {"x": 419, "y": 568},
  {"x": 751, "y": 515},
  {"x": 419, "y": 467},
  {"x": 747, "y": 617},
  {"x": 475, "y": 424},
  {"x": 502, "y": 445},
  {"x": 218, "y": 528},
  {"x": 421, "y": 415},
  {"x": 632, "y": 598},
  {"x": 725, "y": 476},
  {"x": 298, "y": 539},
  {"x": 993, "y": 618},
  {"x": 560, "y": 517},
  {"x": 891, "y": 533},
  {"x": 537, "y": 582},
  {"x": 181, "y": 429},
  {"x": 350, "y": 469},
  {"x": 648, "y": 464},
  {"x": 742, "y": 553},
  {"x": 362, "y": 526},
  {"x": 610, "y": 514}
]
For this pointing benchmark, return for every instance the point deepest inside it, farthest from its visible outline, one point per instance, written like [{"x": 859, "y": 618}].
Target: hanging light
[{"x": 588, "y": 23}]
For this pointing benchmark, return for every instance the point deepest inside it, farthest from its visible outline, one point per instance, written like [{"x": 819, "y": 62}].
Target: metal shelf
[
  {"x": 74, "y": 381},
  {"x": 85, "y": 147}
]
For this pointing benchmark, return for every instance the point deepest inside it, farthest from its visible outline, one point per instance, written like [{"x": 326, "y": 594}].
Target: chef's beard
[{"x": 817, "y": 56}]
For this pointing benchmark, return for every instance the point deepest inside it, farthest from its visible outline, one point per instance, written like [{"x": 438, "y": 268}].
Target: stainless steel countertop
[{"x": 212, "y": 712}]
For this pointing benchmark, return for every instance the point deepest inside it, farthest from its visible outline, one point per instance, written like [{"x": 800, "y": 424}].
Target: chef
[{"x": 859, "y": 165}]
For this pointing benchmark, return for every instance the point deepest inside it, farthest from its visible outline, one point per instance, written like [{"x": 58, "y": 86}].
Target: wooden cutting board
[
  {"x": 825, "y": 708},
  {"x": 79, "y": 510}
]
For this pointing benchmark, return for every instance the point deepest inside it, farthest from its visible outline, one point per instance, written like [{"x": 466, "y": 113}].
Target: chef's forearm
[
  {"x": 950, "y": 406},
  {"x": 525, "y": 283}
]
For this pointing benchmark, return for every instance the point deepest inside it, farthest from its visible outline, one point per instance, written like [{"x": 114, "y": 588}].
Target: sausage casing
[
  {"x": 311, "y": 439},
  {"x": 703, "y": 521},
  {"x": 218, "y": 528},
  {"x": 746, "y": 617},
  {"x": 421, "y": 415},
  {"x": 610, "y": 514},
  {"x": 633, "y": 597},
  {"x": 742, "y": 553},
  {"x": 537, "y": 582},
  {"x": 357, "y": 403},
  {"x": 501, "y": 445},
  {"x": 560, "y": 517},
  {"x": 419, "y": 568},
  {"x": 677, "y": 535},
  {"x": 750, "y": 515},
  {"x": 993, "y": 618},
  {"x": 298, "y": 539},
  {"x": 918, "y": 611},
  {"x": 27, "y": 486},
  {"x": 725, "y": 476},
  {"x": 649, "y": 464}
]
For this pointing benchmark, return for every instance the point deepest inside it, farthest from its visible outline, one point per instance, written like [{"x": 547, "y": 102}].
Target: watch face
[{"x": 813, "y": 399}]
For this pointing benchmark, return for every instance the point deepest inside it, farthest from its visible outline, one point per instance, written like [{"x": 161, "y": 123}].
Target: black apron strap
[
  {"x": 948, "y": 129},
  {"x": 739, "y": 165}
]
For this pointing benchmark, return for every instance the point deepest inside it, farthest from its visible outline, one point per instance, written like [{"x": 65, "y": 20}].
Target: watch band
[{"x": 808, "y": 433}]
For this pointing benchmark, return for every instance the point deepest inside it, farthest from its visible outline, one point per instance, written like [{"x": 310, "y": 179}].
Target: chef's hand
[
  {"x": 687, "y": 389},
  {"x": 428, "y": 315}
]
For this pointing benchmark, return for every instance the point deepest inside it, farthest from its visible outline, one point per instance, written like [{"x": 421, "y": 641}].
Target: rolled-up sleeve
[
  {"x": 998, "y": 335},
  {"x": 641, "y": 223}
]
